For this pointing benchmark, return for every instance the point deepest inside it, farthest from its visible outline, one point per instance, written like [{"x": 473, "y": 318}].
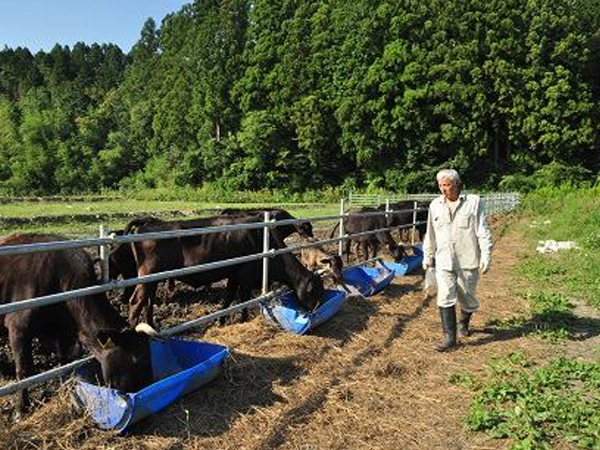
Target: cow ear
[
  {"x": 98, "y": 269},
  {"x": 106, "y": 339}
]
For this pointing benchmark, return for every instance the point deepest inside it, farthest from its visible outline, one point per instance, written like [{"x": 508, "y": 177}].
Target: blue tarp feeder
[
  {"x": 179, "y": 367},
  {"x": 368, "y": 280},
  {"x": 286, "y": 312},
  {"x": 408, "y": 264}
]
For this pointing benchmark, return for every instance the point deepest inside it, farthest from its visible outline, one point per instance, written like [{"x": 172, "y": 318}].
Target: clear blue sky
[{"x": 40, "y": 24}]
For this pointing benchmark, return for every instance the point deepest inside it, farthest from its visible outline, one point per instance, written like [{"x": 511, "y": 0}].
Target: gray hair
[{"x": 448, "y": 174}]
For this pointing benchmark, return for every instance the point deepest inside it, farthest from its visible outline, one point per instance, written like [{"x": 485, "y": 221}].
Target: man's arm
[
  {"x": 429, "y": 243},
  {"x": 484, "y": 237}
]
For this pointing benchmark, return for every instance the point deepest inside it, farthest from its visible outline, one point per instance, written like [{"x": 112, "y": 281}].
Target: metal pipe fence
[
  {"x": 104, "y": 241},
  {"x": 495, "y": 203}
]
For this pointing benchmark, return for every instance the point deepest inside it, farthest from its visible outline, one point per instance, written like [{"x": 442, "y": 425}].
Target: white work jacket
[{"x": 456, "y": 241}]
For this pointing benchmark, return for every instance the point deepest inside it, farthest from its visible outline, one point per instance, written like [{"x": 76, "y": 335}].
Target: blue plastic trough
[
  {"x": 368, "y": 280},
  {"x": 178, "y": 366},
  {"x": 407, "y": 264},
  {"x": 286, "y": 313}
]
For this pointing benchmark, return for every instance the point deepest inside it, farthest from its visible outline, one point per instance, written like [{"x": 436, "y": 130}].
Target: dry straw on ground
[{"x": 367, "y": 379}]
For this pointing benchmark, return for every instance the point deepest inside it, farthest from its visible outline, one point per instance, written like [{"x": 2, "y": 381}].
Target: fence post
[
  {"x": 387, "y": 212},
  {"x": 103, "y": 251},
  {"x": 265, "y": 278},
  {"x": 414, "y": 227},
  {"x": 341, "y": 230}
]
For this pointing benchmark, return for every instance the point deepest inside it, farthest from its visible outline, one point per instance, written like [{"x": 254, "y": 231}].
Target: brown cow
[
  {"x": 91, "y": 322},
  {"x": 318, "y": 259}
]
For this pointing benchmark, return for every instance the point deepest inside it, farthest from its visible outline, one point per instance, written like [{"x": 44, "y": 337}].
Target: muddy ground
[{"x": 367, "y": 379}]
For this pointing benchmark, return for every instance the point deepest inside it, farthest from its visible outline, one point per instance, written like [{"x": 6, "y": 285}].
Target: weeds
[
  {"x": 550, "y": 317},
  {"x": 557, "y": 404},
  {"x": 538, "y": 406}
]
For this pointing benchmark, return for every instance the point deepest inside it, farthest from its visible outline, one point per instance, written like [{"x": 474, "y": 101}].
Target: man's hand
[
  {"x": 427, "y": 264},
  {"x": 484, "y": 266}
]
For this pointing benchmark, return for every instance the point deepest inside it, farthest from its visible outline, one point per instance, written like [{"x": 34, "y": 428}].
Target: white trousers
[{"x": 457, "y": 286}]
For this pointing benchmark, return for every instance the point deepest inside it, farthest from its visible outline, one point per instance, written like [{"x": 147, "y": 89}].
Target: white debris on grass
[
  {"x": 536, "y": 224},
  {"x": 551, "y": 246}
]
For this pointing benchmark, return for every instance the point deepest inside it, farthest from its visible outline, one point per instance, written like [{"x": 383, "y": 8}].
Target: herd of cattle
[{"x": 122, "y": 347}]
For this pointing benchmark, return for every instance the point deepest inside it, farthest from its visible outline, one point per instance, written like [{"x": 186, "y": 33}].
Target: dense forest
[{"x": 307, "y": 94}]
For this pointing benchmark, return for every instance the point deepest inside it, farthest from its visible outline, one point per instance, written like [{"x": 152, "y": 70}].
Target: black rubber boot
[
  {"x": 448, "y": 316},
  {"x": 463, "y": 323}
]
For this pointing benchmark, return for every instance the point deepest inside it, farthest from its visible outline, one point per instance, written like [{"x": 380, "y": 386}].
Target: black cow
[
  {"x": 304, "y": 229},
  {"x": 370, "y": 244},
  {"x": 403, "y": 215},
  {"x": 90, "y": 322},
  {"x": 122, "y": 261},
  {"x": 152, "y": 256}
]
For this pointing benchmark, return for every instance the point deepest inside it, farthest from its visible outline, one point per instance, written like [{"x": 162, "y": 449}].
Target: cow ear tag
[{"x": 108, "y": 345}]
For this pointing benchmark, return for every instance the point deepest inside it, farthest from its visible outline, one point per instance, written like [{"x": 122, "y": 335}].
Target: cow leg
[
  {"x": 142, "y": 298},
  {"x": 128, "y": 293},
  {"x": 66, "y": 349},
  {"x": 19, "y": 338},
  {"x": 232, "y": 290},
  {"x": 245, "y": 294},
  {"x": 365, "y": 249},
  {"x": 151, "y": 293},
  {"x": 376, "y": 248},
  {"x": 347, "y": 244}
]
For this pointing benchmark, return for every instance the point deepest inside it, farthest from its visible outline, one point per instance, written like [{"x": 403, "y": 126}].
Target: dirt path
[{"x": 367, "y": 379}]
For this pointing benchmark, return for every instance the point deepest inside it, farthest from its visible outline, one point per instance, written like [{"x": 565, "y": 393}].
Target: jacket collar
[{"x": 441, "y": 199}]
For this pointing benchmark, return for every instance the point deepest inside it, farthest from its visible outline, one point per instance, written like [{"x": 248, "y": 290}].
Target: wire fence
[{"x": 495, "y": 203}]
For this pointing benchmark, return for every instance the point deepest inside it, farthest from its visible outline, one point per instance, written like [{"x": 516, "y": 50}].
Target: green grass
[
  {"x": 33, "y": 209},
  {"x": 543, "y": 405},
  {"x": 537, "y": 406},
  {"x": 83, "y": 218}
]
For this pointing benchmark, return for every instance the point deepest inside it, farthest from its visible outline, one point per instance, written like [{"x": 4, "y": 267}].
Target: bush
[{"x": 551, "y": 175}]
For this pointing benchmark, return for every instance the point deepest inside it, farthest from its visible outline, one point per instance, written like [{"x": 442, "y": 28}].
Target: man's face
[{"x": 450, "y": 190}]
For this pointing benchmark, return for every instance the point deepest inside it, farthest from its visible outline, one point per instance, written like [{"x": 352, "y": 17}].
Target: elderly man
[{"x": 458, "y": 243}]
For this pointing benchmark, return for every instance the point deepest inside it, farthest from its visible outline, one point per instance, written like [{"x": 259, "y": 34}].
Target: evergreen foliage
[{"x": 299, "y": 95}]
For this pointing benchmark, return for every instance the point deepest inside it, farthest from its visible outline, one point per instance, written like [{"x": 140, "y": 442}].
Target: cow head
[
  {"x": 310, "y": 292},
  {"x": 397, "y": 252},
  {"x": 125, "y": 359},
  {"x": 334, "y": 264},
  {"x": 305, "y": 230}
]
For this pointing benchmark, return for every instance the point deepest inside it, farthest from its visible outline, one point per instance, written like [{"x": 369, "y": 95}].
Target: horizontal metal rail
[
  {"x": 223, "y": 313},
  {"x": 160, "y": 276},
  {"x": 121, "y": 284},
  {"x": 71, "y": 367},
  {"x": 158, "y": 235},
  {"x": 68, "y": 369}
]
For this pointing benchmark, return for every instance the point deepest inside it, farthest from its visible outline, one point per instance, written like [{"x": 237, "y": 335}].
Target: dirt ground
[{"x": 367, "y": 379}]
